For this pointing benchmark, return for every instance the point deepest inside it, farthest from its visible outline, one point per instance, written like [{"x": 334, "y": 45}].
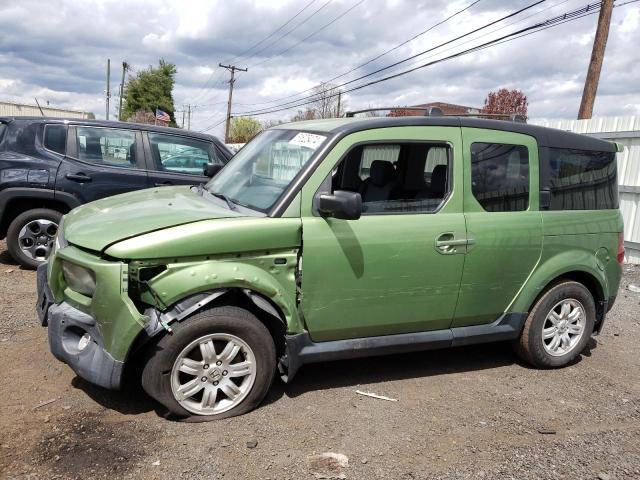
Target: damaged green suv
[{"x": 333, "y": 239}]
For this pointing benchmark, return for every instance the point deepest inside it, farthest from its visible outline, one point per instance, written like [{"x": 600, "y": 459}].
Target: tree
[
  {"x": 325, "y": 103},
  {"x": 507, "y": 102},
  {"x": 150, "y": 89},
  {"x": 308, "y": 114},
  {"x": 243, "y": 129}
]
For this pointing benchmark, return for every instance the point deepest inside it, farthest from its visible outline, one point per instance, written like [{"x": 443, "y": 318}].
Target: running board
[{"x": 300, "y": 349}]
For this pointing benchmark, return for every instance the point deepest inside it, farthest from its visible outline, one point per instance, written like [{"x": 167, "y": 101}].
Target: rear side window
[
  {"x": 582, "y": 180},
  {"x": 55, "y": 138},
  {"x": 500, "y": 176},
  {"x": 172, "y": 153},
  {"x": 107, "y": 146}
]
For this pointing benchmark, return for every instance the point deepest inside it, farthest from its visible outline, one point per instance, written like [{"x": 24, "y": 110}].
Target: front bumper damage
[{"x": 93, "y": 335}]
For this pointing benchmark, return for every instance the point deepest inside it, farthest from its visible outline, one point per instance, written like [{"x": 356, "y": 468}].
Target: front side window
[
  {"x": 582, "y": 180},
  {"x": 55, "y": 138},
  {"x": 262, "y": 170},
  {"x": 179, "y": 154},
  {"x": 500, "y": 176},
  {"x": 106, "y": 146},
  {"x": 392, "y": 178}
]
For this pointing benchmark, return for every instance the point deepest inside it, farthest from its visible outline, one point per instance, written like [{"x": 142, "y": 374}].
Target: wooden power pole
[
  {"x": 108, "y": 92},
  {"x": 595, "y": 65},
  {"x": 125, "y": 66},
  {"x": 232, "y": 69}
]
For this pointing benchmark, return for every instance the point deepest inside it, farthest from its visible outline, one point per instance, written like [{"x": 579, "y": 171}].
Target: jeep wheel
[
  {"x": 31, "y": 234},
  {"x": 558, "y": 327},
  {"x": 216, "y": 364}
]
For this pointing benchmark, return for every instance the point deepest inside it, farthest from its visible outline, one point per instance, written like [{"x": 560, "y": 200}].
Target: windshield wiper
[{"x": 232, "y": 206}]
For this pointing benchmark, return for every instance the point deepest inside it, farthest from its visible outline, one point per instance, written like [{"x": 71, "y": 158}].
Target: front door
[
  {"x": 397, "y": 269},
  {"x": 502, "y": 215},
  {"x": 178, "y": 160},
  {"x": 101, "y": 162}
]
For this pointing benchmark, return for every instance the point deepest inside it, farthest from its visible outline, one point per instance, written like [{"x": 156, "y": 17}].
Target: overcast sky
[{"x": 57, "y": 51}]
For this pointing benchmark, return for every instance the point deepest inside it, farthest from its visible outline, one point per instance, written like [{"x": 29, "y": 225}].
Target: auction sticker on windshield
[{"x": 307, "y": 140}]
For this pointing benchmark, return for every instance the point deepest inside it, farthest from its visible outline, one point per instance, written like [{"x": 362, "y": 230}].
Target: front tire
[
  {"x": 558, "y": 327},
  {"x": 217, "y": 364},
  {"x": 31, "y": 234}
]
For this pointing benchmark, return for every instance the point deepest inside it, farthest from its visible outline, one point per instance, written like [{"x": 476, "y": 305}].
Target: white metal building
[
  {"x": 9, "y": 109},
  {"x": 625, "y": 131}
]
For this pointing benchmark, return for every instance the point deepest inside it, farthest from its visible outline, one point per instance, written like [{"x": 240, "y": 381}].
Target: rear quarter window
[
  {"x": 582, "y": 180},
  {"x": 55, "y": 138}
]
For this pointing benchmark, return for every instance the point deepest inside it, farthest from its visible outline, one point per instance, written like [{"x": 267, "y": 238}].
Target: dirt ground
[{"x": 463, "y": 413}]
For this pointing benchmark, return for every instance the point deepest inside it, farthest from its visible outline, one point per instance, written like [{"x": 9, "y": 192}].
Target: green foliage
[
  {"x": 243, "y": 129},
  {"x": 150, "y": 89}
]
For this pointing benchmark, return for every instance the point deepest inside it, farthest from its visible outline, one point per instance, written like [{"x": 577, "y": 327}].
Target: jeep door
[
  {"x": 501, "y": 184},
  {"x": 101, "y": 162},
  {"x": 179, "y": 160},
  {"x": 396, "y": 269}
]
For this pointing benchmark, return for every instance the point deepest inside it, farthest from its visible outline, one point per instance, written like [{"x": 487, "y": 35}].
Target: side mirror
[
  {"x": 342, "y": 204},
  {"x": 211, "y": 169}
]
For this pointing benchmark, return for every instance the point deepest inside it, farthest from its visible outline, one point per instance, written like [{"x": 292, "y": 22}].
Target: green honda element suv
[{"x": 332, "y": 239}]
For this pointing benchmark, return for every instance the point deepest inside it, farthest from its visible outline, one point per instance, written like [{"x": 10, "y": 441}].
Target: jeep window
[
  {"x": 582, "y": 180},
  {"x": 500, "y": 176},
  {"x": 55, "y": 138},
  {"x": 3, "y": 129},
  {"x": 259, "y": 173},
  {"x": 107, "y": 146},
  {"x": 396, "y": 178},
  {"x": 180, "y": 154}
]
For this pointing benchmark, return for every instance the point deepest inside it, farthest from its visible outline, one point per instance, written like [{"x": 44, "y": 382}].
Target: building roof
[{"x": 447, "y": 109}]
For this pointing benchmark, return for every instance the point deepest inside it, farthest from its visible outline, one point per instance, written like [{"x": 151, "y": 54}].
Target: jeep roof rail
[{"x": 437, "y": 112}]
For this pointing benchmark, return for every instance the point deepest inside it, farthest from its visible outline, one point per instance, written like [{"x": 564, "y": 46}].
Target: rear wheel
[
  {"x": 31, "y": 234},
  {"x": 558, "y": 327},
  {"x": 217, "y": 364}
]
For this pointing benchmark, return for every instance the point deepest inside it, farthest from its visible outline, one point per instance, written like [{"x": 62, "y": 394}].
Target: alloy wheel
[
  {"x": 563, "y": 327},
  {"x": 36, "y": 238}
]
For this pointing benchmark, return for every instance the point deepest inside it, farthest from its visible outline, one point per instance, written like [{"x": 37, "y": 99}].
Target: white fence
[{"x": 625, "y": 131}]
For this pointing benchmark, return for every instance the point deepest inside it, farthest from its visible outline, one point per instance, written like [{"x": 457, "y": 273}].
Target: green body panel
[
  {"x": 507, "y": 245},
  {"x": 211, "y": 237},
  {"x": 98, "y": 224},
  {"x": 118, "y": 319},
  {"x": 380, "y": 274},
  {"x": 257, "y": 272}
]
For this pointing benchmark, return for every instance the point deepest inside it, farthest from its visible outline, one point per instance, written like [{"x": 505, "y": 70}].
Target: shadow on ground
[{"x": 132, "y": 400}]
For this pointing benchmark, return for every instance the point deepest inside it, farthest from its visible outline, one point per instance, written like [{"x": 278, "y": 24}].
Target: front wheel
[
  {"x": 217, "y": 364},
  {"x": 558, "y": 327},
  {"x": 31, "y": 235}
]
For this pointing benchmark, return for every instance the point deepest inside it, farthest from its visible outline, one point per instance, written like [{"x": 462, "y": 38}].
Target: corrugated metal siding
[
  {"x": 625, "y": 131},
  {"x": 18, "y": 110}
]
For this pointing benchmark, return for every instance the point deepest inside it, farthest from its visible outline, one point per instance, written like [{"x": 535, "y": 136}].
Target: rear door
[
  {"x": 178, "y": 160},
  {"x": 101, "y": 162},
  {"x": 501, "y": 211}
]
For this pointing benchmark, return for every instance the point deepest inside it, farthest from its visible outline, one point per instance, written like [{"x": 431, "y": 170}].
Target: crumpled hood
[{"x": 99, "y": 224}]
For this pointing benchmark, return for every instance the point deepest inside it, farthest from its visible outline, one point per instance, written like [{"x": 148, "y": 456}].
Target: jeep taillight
[{"x": 620, "y": 255}]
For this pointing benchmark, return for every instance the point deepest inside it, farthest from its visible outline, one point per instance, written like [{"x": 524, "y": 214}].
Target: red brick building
[{"x": 447, "y": 109}]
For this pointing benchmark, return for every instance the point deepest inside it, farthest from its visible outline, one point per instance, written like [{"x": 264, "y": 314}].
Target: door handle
[
  {"x": 447, "y": 243},
  {"x": 163, "y": 184},
  {"x": 78, "y": 177}
]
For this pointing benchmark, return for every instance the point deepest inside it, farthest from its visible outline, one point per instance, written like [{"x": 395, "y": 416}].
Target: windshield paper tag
[{"x": 307, "y": 140}]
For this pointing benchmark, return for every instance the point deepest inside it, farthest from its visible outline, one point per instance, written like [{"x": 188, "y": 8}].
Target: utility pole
[
  {"x": 183, "y": 111},
  {"x": 232, "y": 69},
  {"x": 595, "y": 65},
  {"x": 125, "y": 67},
  {"x": 189, "y": 117},
  {"x": 339, "y": 98},
  {"x": 108, "y": 93}
]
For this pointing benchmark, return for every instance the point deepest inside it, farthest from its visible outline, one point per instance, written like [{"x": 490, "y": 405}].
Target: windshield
[{"x": 259, "y": 173}]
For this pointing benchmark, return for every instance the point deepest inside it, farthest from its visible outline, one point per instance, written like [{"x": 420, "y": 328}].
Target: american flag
[{"x": 162, "y": 116}]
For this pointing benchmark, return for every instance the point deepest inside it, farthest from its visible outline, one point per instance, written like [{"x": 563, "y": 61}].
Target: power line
[
  {"x": 374, "y": 58},
  {"x": 517, "y": 12},
  {"x": 570, "y": 16},
  {"x": 241, "y": 54},
  {"x": 310, "y": 35}
]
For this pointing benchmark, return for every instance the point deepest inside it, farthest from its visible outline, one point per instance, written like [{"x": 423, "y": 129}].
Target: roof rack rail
[{"x": 437, "y": 112}]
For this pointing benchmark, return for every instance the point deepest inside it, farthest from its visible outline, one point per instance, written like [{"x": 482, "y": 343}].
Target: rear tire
[
  {"x": 31, "y": 234},
  {"x": 217, "y": 364},
  {"x": 558, "y": 327}
]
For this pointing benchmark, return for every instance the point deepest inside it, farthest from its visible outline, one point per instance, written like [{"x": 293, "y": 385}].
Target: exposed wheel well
[{"x": 16, "y": 206}]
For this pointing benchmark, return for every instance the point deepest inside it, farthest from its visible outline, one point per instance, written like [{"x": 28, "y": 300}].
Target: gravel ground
[{"x": 466, "y": 413}]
